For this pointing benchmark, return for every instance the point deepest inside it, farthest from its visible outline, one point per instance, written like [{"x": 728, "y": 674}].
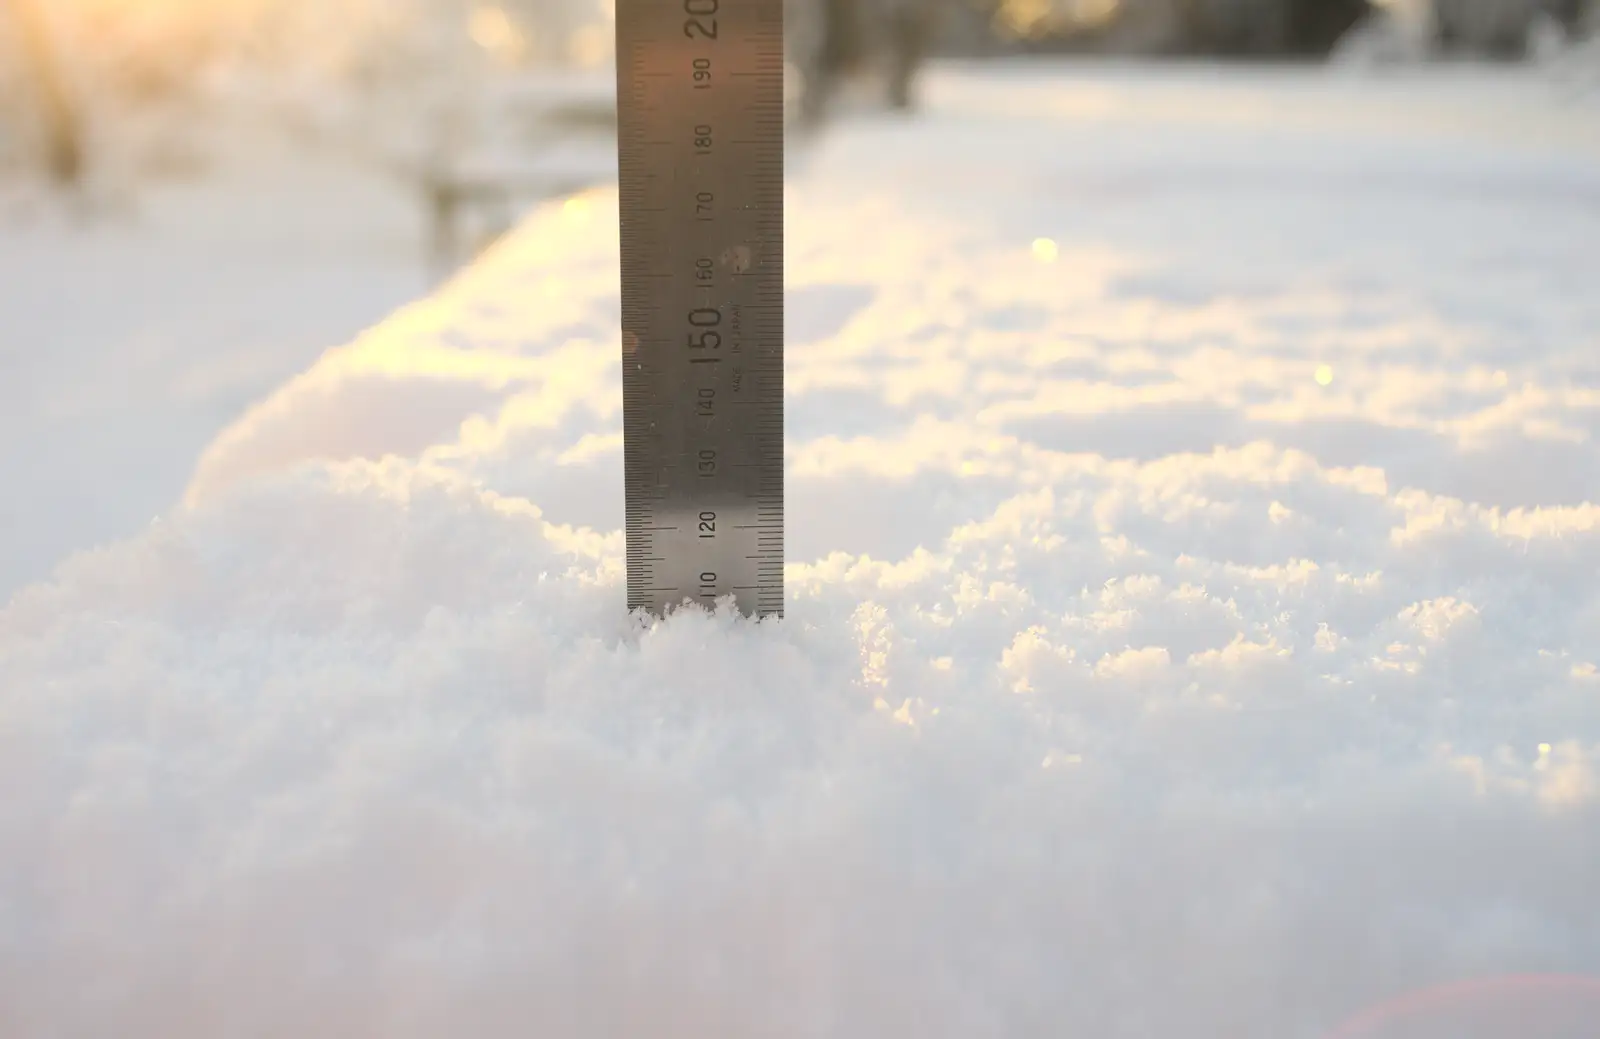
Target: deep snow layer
[{"x": 1194, "y": 623}]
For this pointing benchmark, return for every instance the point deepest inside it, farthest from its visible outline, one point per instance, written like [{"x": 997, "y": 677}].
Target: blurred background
[
  {"x": 472, "y": 108},
  {"x": 197, "y": 197}
]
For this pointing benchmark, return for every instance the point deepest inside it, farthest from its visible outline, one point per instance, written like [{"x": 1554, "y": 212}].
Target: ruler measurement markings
[{"x": 702, "y": 413}]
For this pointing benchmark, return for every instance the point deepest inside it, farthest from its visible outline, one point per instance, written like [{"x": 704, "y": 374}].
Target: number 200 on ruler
[{"x": 700, "y": 143}]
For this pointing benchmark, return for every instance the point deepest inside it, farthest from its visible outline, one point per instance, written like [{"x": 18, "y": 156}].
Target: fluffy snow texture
[{"x": 1193, "y": 623}]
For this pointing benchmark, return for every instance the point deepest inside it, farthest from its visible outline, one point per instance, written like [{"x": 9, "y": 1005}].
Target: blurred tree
[
  {"x": 1501, "y": 28},
  {"x": 60, "y": 119},
  {"x": 1268, "y": 27},
  {"x": 1494, "y": 27},
  {"x": 1219, "y": 27},
  {"x": 838, "y": 39}
]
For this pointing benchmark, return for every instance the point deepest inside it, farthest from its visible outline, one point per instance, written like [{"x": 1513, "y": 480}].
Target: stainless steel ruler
[{"x": 701, "y": 124}]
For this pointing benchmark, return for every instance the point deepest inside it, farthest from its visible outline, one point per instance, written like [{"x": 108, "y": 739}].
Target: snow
[
  {"x": 225, "y": 247},
  {"x": 1193, "y": 627},
  {"x": 131, "y": 336}
]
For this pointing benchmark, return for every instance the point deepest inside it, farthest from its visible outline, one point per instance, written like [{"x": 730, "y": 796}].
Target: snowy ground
[
  {"x": 129, "y": 340},
  {"x": 1193, "y": 623}
]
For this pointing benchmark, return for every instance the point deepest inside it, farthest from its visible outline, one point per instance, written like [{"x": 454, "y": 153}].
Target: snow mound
[{"x": 1193, "y": 622}]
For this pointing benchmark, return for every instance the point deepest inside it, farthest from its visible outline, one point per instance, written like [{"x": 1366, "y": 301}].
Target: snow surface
[
  {"x": 1193, "y": 623},
  {"x": 227, "y": 248},
  {"x": 130, "y": 336}
]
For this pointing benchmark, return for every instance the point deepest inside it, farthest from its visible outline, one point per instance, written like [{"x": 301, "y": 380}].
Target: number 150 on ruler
[{"x": 700, "y": 143}]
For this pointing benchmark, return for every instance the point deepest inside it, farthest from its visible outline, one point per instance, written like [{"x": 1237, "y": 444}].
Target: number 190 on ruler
[{"x": 700, "y": 147}]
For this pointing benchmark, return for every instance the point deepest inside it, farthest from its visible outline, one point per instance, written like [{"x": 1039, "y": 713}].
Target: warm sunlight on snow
[{"x": 1139, "y": 677}]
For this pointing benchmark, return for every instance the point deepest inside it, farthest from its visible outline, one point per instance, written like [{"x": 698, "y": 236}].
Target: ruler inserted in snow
[{"x": 700, "y": 141}]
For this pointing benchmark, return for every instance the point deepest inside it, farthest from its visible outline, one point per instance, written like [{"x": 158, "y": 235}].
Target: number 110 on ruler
[{"x": 700, "y": 144}]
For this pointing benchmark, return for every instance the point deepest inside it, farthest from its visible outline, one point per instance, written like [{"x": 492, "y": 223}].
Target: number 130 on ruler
[{"x": 700, "y": 143}]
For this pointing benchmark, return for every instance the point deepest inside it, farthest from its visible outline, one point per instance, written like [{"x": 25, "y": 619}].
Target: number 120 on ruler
[{"x": 700, "y": 143}]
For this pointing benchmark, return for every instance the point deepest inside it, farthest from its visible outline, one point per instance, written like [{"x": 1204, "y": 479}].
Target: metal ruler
[{"x": 700, "y": 142}]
